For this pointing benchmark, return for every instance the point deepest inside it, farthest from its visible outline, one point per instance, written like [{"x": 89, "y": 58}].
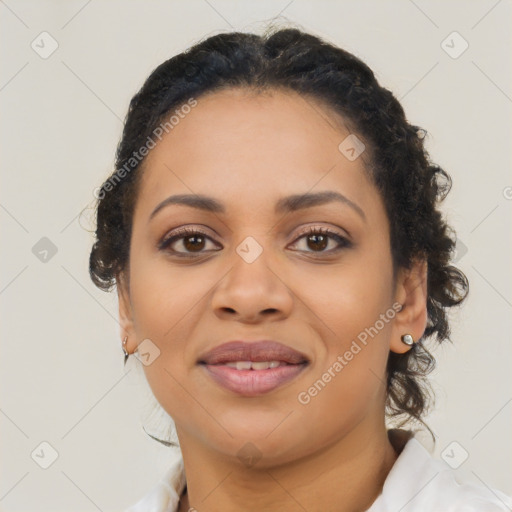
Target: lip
[
  {"x": 253, "y": 382},
  {"x": 264, "y": 350}
]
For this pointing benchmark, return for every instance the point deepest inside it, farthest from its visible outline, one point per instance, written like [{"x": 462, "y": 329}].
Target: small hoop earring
[
  {"x": 126, "y": 354},
  {"x": 408, "y": 340}
]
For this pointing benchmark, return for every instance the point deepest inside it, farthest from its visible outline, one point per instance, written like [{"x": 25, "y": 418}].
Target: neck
[{"x": 346, "y": 475}]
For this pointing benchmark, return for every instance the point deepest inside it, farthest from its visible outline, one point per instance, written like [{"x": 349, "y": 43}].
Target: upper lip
[{"x": 264, "y": 350}]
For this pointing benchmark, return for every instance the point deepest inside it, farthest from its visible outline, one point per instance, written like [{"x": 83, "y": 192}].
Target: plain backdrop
[{"x": 62, "y": 378}]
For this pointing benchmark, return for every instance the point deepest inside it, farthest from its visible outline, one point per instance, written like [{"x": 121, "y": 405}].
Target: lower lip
[{"x": 253, "y": 382}]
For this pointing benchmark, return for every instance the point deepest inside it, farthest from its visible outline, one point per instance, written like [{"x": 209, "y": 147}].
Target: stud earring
[
  {"x": 407, "y": 339},
  {"x": 126, "y": 354}
]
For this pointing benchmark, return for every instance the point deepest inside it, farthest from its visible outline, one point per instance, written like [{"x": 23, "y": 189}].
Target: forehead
[{"x": 242, "y": 146}]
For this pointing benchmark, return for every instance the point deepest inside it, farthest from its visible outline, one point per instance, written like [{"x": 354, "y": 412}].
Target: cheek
[
  {"x": 354, "y": 304},
  {"x": 349, "y": 297},
  {"x": 164, "y": 295},
  {"x": 168, "y": 303},
  {"x": 349, "y": 378}
]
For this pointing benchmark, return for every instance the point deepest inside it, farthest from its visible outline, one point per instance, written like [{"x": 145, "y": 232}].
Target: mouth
[{"x": 253, "y": 369}]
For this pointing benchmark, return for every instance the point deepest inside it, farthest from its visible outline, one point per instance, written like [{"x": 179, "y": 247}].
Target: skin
[{"x": 247, "y": 151}]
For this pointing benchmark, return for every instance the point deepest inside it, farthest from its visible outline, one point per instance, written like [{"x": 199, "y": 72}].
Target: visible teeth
[
  {"x": 248, "y": 365},
  {"x": 260, "y": 365}
]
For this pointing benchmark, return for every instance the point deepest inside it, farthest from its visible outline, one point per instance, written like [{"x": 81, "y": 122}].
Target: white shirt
[{"x": 416, "y": 483}]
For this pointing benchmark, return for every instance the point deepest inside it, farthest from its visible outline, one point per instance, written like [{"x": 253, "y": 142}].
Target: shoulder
[
  {"x": 165, "y": 495},
  {"x": 419, "y": 483}
]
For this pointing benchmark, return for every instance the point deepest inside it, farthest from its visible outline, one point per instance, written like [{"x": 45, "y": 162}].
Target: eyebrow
[{"x": 284, "y": 205}]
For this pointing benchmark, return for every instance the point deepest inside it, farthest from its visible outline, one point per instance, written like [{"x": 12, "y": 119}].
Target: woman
[{"x": 273, "y": 234}]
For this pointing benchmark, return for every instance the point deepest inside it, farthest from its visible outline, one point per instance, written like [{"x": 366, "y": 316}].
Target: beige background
[{"x": 62, "y": 378}]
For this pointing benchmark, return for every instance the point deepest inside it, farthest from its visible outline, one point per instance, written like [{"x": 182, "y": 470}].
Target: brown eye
[
  {"x": 318, "y": 239},
  {"x": 194, "y": 242},
  {"x": 185, "y": 242},
  {"x": 317, "y": 242}
]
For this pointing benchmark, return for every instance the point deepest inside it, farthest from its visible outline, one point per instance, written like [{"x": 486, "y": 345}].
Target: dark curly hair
[{"x": 410, "y": 184}]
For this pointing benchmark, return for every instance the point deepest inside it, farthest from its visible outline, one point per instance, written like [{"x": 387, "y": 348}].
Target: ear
[
  {"x": 411, "y": 293},
  {"x": 126, "y": 313}
]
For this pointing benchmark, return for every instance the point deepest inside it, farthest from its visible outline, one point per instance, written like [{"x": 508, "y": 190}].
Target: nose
[{"x": 253, "y": 292}]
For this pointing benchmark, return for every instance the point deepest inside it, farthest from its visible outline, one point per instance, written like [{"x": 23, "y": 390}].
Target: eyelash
[{"x": 189, "y": 232}]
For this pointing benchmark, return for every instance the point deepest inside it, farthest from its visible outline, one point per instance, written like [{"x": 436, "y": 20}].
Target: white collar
[{"x": 419, "y": 483}]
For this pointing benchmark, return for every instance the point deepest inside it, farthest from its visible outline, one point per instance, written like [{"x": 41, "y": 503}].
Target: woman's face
[{"x": 262, "y": 268}]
